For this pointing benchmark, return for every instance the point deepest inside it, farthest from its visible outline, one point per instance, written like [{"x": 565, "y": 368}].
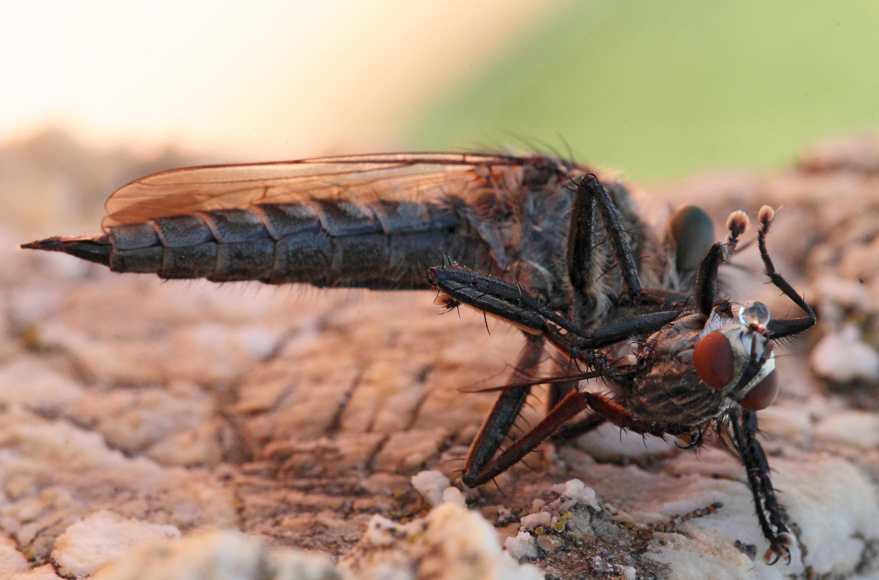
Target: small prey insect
[
  {"x": 675, "y": 365},
  {"x": 537, "y": 241}
]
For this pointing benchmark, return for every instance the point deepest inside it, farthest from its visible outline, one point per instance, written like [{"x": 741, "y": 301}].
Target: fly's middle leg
[{"x": 586, "y": 260}]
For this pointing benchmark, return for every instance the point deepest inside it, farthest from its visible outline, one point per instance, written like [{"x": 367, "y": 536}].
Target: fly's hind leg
[
  {"x": 570, "y": 432},
  {"x": 567, "y": 409},
  {"x": 572, "y": 404},
  {"x": 497, "y": 424}
]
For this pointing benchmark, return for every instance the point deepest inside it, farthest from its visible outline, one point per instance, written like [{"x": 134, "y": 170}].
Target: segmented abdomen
[{"x": 386, "y": 244}]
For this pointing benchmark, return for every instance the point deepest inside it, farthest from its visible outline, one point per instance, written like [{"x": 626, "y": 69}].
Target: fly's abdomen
[{"x": 385, "y": 244}]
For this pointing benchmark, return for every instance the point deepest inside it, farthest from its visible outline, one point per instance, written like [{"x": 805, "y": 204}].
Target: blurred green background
[{"x": 661, "y": 89}]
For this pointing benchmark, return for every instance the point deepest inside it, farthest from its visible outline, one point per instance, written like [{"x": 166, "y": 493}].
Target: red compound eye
[
  {"x": 713, "y": 359},
  {"x": 762, "y": 395}
]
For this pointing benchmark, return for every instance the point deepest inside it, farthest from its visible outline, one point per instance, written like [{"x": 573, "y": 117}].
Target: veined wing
[{"x": 358, "y": 178}]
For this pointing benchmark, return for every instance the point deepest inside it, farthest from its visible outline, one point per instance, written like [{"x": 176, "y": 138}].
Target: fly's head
[{"x": 734, "y": 356}]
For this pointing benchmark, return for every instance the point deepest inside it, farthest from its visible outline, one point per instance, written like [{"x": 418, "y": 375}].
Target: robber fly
[{"x": 536, "y": 241}]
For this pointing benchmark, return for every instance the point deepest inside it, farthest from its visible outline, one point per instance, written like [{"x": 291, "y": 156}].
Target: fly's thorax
[{"x": 666, "y": 387}]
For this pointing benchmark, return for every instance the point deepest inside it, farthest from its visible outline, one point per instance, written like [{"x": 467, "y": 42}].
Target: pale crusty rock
[
  {"x": 217, "y": 555},
  {"x": 456, "y": 496},
  {"x": 45, "y": 572},
  {"x": 430, "y": 484},
  {"x": 858, "y": 429},
  {"x": 145, "y": 360},
  {"x": 410, "y": 450},
  {"x": 522, "y": 547},
  {"x": 101, "y": 537},
  {"x": 832, "y": 503},
  {"x": 26, "y": 380},
  {"x": 296, "y": 415},
  {"x": 54, "y": 474},
  {"x": 450, "y": 543},
  {"x": 839, "y": 295},
  {"x": 843, "y": 357},
  {"x": 11, "y": 560},
  {"x": 134, "y": 420},
  {"x": 788, "y": 421},
  {"x": 200, "y": 445},
  {"x": 577, "y": 491}
]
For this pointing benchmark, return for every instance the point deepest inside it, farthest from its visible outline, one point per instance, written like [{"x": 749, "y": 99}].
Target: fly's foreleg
[
  {"x": 706, "y": 277},
  {"x": 515, "y": 306},
  {"x": 779, "y": 328},
  {"x": 769, "y": 515}
]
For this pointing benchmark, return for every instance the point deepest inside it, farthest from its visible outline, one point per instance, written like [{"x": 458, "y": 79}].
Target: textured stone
[
  {"x": 297, "y": 415},
  {"x": 450, "y": 543},
  {"x": 217, "y": 556},
  {"x": 101, "y": 537}
]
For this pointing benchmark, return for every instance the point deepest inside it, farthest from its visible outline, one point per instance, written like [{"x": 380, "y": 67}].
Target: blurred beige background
[
  {"x": 95, "y": 94},
  {"x": 245, "y": 80}
]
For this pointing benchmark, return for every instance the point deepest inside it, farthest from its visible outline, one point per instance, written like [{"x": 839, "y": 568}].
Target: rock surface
[{"x": 135, "y": 409}]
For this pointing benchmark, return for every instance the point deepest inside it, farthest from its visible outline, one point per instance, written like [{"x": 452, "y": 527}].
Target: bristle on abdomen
[{"x": 93, "y": 248}]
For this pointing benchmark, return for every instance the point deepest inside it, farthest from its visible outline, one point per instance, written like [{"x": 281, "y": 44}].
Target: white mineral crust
[{"x": 450, "y": 543}]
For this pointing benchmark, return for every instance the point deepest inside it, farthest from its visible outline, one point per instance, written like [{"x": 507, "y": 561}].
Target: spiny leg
[
  {"x": 497, "y": 424},
  {"x": 781, "y": 327},
  {"x": 772, "y": 525},
  {"x": 515, "y": 306},
  {"x": 583, "y": 259},
  {"x": 706, "y": 278},
  {"x": 573, "y": 403},
  {"x": 567, "y": 432},
  {"x": 567, "y": 409}
]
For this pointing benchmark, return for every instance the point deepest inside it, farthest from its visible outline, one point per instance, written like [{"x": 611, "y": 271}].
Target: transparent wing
[{"x": 360, "y": 179}]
